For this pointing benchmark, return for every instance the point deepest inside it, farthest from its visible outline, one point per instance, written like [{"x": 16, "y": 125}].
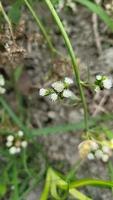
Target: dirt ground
[{"x": 42, "y": 69}]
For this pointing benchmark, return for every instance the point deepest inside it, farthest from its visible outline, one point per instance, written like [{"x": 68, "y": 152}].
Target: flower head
[
  {"x": 68, "y": 93},
  {"x": 107, "y": 83},
  {"x": 42, "y": 92},
  {"x": 58, "y": 86},
  {"x": 54, "y": 97},
  {"x": 68, "y": 80}
]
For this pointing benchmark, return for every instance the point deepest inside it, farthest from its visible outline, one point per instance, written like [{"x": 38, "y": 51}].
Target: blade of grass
[
  {"x": 75, "y": 67},
  {"x": 42, "y": 28},
  {"x": 51, "y": 130},
  {"x": 99, "y": 11}
]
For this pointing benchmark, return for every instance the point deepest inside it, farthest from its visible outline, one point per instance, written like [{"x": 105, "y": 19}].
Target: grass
[{"x": 20, "y": 174}]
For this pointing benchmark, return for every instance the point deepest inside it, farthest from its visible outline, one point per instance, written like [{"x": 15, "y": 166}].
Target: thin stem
[
  {"x": 7, "y": 19},
  {"x": 39, "y": 23},
  {"x": 73, "y": 58}
]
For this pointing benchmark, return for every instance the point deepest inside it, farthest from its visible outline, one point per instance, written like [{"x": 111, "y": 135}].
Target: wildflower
[
  {"x": 13, "y": 150},
  {"x": 106, "y": 149},
  {"x": 68, "y": 80},
  {"x": 94, "y": 146},
  {"x": 67, "y": 93},
  {"x": 20, "y": 133},
  {"x": 84, "y": 148},
  {"x": 42, "y": 92},
  {"x": 54, "y": 97},
  {"x": 98, "y": 154},
  {"x": 98, "y": 77},
  {"x": 2, "y": 81},
  {"x": 24, "y": 144},
  {"x": 107, "y": 83},
  {"x": 97, "y": 89},
  {"x": 18, "y": 150},
  {"x": 91, "y": 156},
  {"x": 105, "y": 157},
  {"x": 58, "y": 86},
  {"x": 8, "y": 144},
  {"x": 10, "y": 138}
]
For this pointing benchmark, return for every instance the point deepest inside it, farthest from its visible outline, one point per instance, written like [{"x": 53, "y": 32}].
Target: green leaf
[
  {"x": 90, "y": 182},
  {"x": 98, "y": 10},
  {"x": 78, "y": 195},
  {"x": 3, "y": 189},
  {"x": 15, "y": 11}
]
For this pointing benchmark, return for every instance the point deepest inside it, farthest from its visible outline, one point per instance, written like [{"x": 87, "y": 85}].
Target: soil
[{"x": 42, "y": 69}]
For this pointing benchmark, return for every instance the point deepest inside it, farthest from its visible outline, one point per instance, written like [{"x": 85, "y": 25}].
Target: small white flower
[
  {"x": 12, "y": 150},
  {"x": 91, "y": 156},
  {"x": 10, "y": 138},
  {"x": 107, "y": 83},
  {"x": 98, "y": 154},
  {"x": 42, "y": 92},
  {"x": 97, "y": 89},
  {"x": 68, "y": 93},
  {"x": 98, "y": 77},
  {"x": 2, "y": 90},
  {"x": 68, "y": 80},
  {"x": 94, "y": 146},
  {"x": 54, "y": 97},
  {"x": 18, "y": 150},
  {"x": 105, "y": 158},
  {"x": 106, "y": 149},
  {"x": 24, "y": 144},
  {"x": 20, "y": 133},
  {"x": 2, "y": 80},
  {"x": 58, "y": 86},
  {"x": 9, "y": 144}
]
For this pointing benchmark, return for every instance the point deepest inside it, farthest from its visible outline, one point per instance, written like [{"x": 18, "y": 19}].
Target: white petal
[
  {"x": 58, "y": 86},
  {"x": 54, "y": 97},
  {"x": 12, "y": 150},
  {"x": 10, "y": 138},
  {"x": 68, "y": 80},
  {"x": 24, "y": 144},
  {"x": 42, "y": 92},
  {"x": 91, "y": 156}
]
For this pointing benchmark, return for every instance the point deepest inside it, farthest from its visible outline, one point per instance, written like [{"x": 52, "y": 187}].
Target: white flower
[
  {"x": 12, "y": 150},
  {"x": 2, "y": 90},
  {"x": 105, "y": 158},
  {"x": 20, "y": 133},
  {"x": 42, "y": 92},
  {"x": 98, "y": 154},
  {"x": 68, "y": 80},
  {"x": 68, "y": 93},
  {"x": 54, "y": 97},
  {"x": 106, "y": 149},
  {"x": 18, "y": 150},
  {"x": 8, "y": 144},
  {"x": 2, "y": 81},
  {"x": 94, "y": 146},
  {"x": 24, "y": 144},
  {"x": 98, "y": 77},
  {"x": 10, "y": 138},
  {"x": 58, "y": 86},
  {"x": 107, "y": 83},
  {"x": 97, "y": 89},
  {"x": 91, "y": 156}
]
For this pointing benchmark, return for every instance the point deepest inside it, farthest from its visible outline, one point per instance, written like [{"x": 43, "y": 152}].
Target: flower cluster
[
  {"x": 16, "y": 142},
  {"x": 2, "y": 83},
  {"x": 59, "y": 89},
  {"x": 96, "y": 150},
  {"x": 103, "y": 82}
]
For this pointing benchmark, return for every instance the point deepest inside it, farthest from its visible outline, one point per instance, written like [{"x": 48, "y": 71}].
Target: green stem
[
  {"x": 6, "y": 19},
  {"x": 72, "y": 56},
  {"x": 39, "y": 23}
]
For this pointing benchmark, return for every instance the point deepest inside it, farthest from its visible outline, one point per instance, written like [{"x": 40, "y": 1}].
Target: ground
[{"x": 40, "y": 69}]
